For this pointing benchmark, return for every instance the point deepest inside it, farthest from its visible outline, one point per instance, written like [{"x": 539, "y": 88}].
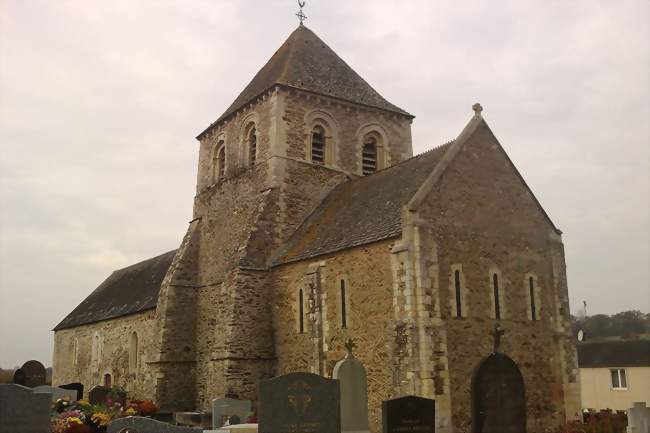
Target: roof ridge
[{"x": 141, "y": 262}]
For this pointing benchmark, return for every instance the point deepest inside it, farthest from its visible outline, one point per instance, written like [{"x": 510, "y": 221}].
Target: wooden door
[{"x": 498, "y": 394}]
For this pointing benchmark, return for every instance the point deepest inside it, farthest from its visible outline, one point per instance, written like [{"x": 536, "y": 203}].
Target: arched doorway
[{"x": 498, "y": 397}]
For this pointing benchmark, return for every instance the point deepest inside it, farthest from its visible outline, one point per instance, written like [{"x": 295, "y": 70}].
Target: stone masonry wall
[
  {"x": 366, "y": 271},
  {"x": 486, "y": 220},
  {"x": 113, "y": 343}
]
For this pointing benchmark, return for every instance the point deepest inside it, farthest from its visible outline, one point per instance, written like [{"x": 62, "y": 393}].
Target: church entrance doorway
[{"x": 498, "y": 397}]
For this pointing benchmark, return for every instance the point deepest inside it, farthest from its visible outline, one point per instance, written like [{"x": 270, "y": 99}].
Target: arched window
[
  {"x": 369, "y": 155},
  {"x": 301, "y": 311},
  {"x": 219, "y": 162},
  {"x": 107, "y": 380},
  {"x": 133, "y": 352},
  {"x": 251, "y": 141},
  {"x": 96, "y": 352},
  {"x": 459, "y": 308},
  {"x": 75, "y": 351},
  {"x": 344, "y": 309},
  {"x": 531, "y": 288},
  {"x": 318, "y": 145},
  {"x": 495, "y": 287}
]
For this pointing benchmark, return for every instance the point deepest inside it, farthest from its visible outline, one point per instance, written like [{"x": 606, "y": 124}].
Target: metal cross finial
[
  {"x": 477, "y": 108},
  {"x": 301, "y": 16},
  {"x": 350, "y": 346},
  {"x": 497, "y": 334}
]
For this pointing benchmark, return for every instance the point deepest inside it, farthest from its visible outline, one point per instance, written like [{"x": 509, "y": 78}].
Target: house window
[
  {"x": 533, "y": 307},
  {"x": 495, "y": 286},
  {"x": 301, "y": 311},
  {"x": 219, "y": 162},
  {"x": 344, "y": 312},
  {"x": 251, "y": 139},
  {"x": 369, "y": 155},
  {"x": 318, "y": 145},
  {"x": 459, "y": 309},
  {"x": 133, "y": 352},
  {"x": 619, "y": 380}
]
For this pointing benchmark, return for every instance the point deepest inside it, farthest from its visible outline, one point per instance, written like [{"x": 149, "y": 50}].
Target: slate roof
[
  {"x": 126, "y": 291},
  {"x": 616, "y": 353},
  {"x": 305, "y": 62},
  {"x": 362, "y": 210}
]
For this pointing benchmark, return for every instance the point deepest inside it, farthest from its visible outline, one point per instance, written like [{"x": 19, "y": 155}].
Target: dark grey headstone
[
  {"x": 19, "y": 377},
  {"x": 98, "y": 394},
  {"x": 76, "y": 386},
  {"x": 23, "y": 411},
  {"x": 34, "y": 373},
  {"x": 299, "y": 403},
  {"x": 137, "y": 424},
  {"x": 409, "y": 414}
]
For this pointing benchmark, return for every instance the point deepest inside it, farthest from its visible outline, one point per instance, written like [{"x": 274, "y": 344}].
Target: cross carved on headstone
[{"x": 497, "y": 334}]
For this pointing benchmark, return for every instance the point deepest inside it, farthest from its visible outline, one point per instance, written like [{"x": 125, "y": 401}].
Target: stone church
[{"x": 314, "y": 223}]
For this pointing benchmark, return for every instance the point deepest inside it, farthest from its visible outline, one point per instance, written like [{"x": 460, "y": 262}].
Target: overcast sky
[{"x": 100, "y": 102}]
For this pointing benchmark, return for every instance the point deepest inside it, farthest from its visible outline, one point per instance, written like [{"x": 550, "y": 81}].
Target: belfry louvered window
[
  {"x": 318, "y": 145},
  {"x": 369, "y": 155}
]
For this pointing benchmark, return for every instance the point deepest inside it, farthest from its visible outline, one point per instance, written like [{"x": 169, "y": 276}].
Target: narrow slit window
[
  {"x": 531, "y": 288},
  {"x": 301, "y": 312},
  {"x": 369, "y": 155},
  {"x": 252, "y": 146},
  {"x": 107, "y": 380},
  {"x": 497, "y": 306},
  {"x": 459, "y": 309},
  {"x": 344, "y": 313},
  {"x": 318, "y": 146}
]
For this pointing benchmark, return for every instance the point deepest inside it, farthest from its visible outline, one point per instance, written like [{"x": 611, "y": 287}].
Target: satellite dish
[{"x": 581, "y": 335}]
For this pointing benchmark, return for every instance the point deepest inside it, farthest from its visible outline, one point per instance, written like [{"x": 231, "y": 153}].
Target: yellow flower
[
  {"x": 83, "y": 403},
  {"x": 131, "y": 411},
  {"x": 74, "y": 420},
  {"x": 101, "y": 419}
]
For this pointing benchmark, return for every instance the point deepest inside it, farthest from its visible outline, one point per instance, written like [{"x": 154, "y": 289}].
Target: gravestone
[
  {"x": 638, "y": 418},
  {"x": 354, "y": 392},
  {"x": 23, "y": 411},
  {"x": 138, "y": 424},
  {"x": 299, "y": 403},
  {"x": 223, "y": 408},
  {"x": 19, "y": 377},
  {"x": 56, "y": 393},
  {"x": 34, "y": 373},
  {"x": 98, "y": 394},
  {"x": 409, "y": 414},
  {"x": 75, "y": 386}
]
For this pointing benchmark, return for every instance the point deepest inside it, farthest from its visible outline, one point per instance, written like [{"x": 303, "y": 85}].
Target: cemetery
[{"x": 297, "y": 402}]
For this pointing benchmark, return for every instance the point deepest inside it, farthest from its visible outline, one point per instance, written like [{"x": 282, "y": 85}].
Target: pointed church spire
[{"x": 306, "y": 63}]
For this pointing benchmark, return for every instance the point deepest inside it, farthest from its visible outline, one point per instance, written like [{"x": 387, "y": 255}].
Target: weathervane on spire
[{"x": 301, "y": 16}]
